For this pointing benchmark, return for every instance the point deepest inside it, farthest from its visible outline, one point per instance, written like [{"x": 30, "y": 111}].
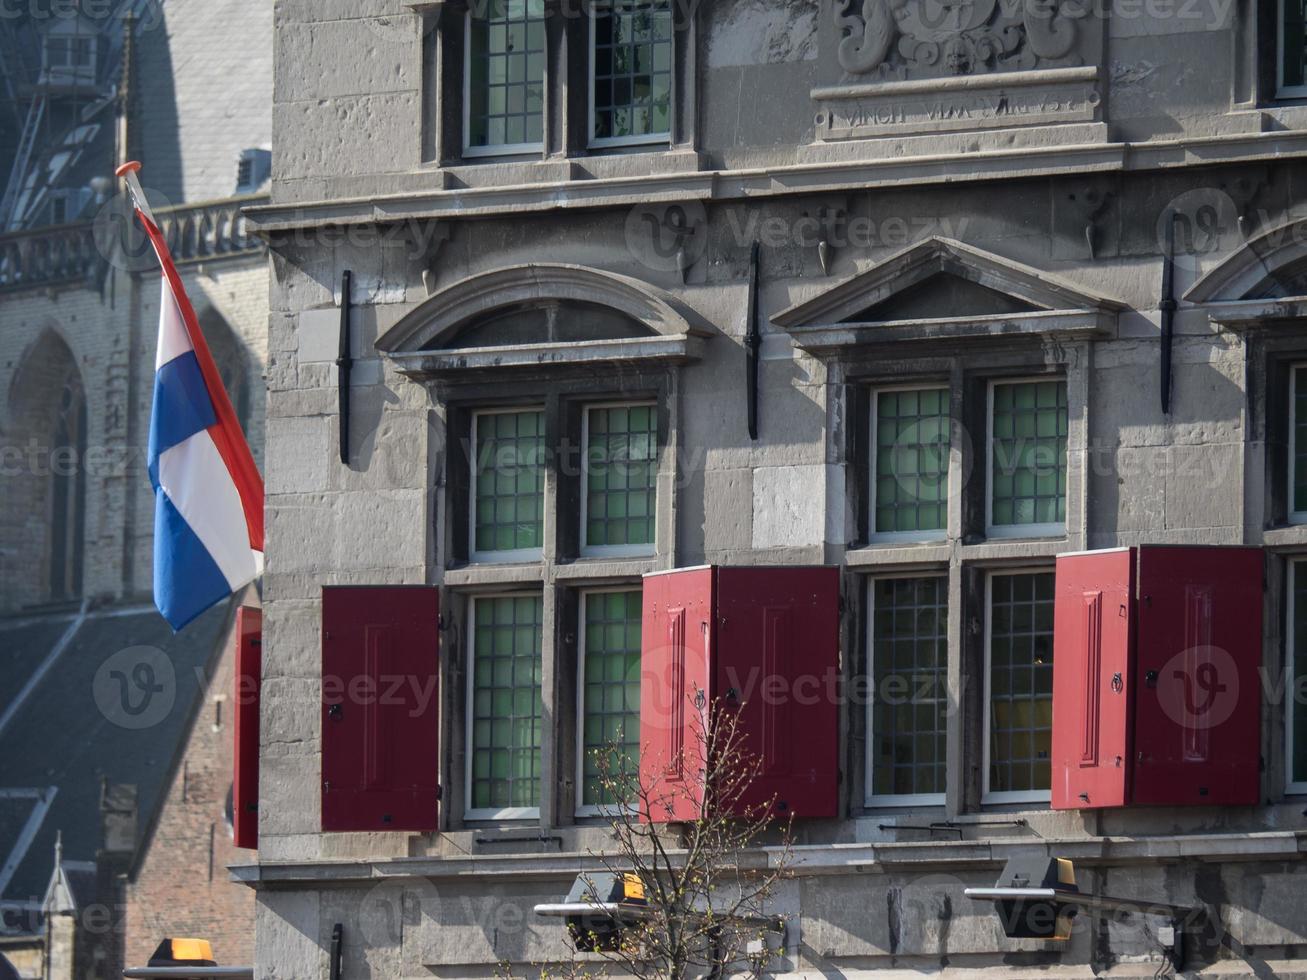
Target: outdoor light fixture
[
  {"x": 1036, "y": 898},
  {"x": 187, "y": 959},
  {"x": 598, "y": 908}
]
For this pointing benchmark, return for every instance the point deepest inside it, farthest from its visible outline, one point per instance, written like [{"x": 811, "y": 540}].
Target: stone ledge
[{"x": 813, "y": 860}]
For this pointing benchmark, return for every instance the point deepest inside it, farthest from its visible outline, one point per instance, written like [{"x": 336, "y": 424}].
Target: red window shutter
[
  {"x": 1093, "y": 692},
  {"x": 380, "y": 708},
  {"x": 245, "y": 727},
  {"x": 674, "y": 690},
  {"x": 777, "y": 663},
  {"x": 1197, "y": 681}
]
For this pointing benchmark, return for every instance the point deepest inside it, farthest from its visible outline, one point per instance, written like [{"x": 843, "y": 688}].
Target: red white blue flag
[{"x": 208, "y": 494}]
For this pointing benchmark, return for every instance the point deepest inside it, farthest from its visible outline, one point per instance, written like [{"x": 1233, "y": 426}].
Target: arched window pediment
[
  {"x": 554, "y": 317},
  {"x": 1266, "y": 279}
]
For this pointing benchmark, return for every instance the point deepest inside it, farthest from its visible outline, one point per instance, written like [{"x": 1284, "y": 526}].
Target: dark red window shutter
[
  {"x": 674, "y": 689},
  {"x": 245, "y": 727},
  {"x": 777, "y": 662},
  {"x": 1093, "y": 691},
  {"x": 1197, "y": 681},
  {"x": 380, "y": 708}
]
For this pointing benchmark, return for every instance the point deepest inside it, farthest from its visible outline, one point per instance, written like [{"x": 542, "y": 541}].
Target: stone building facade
[{"x": 944, "y": 231}]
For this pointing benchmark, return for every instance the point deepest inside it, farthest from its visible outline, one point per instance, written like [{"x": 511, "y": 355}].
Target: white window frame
[
  {"x": 649, "y": 139},
  {"x": 591, "y": 809},
  {"x": 987, "y": 796},
  {"x": 1295, "y": 516},
  {"x": 889, "y": 537},
  {"x": 506, "y": 149},
  {"x": 515, "y": 554},
  {"x": 470, "y": 812},
  {"x": 1047, "y": 530},
  {"x": 614, "y": 550},
  {"x": 1291, "y": 707},
  {"x": 871, "y": 800},
  {"x": 1283, "y": 91}
]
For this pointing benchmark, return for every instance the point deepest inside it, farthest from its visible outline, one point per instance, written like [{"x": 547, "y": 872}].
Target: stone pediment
[
  {"x": 1266, "y": 279},
  {"x": 944, "y": 290},
  {"x": 542, "y": 317}
]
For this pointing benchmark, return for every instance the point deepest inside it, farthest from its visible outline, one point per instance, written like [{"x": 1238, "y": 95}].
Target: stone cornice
[{"x": 799, "y": 178}]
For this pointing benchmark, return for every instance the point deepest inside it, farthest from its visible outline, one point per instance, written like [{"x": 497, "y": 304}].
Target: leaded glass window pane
[
  {"x": 506, "y": 73},
  {"x": 1029, "y": 430},
  {"x": 1297, "y": 686},
  {"x": 632, "y": 69},
  {"x": 911, "y": 459},
  {"x": 909, "y": 664},
  {"x": 611, "y": 693},
  {"x": 1020, "y": 682},
  {"x": 621, "y": 475},
  {"x": 509, "y": 478},
  {"x": 1294, "y": 72},
  {"x": 1299, "y": 422},
  {"x": 506, "y": 702}
]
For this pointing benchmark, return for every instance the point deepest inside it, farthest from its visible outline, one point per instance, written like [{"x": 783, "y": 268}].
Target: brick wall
[{"x": 181, "y": 886}]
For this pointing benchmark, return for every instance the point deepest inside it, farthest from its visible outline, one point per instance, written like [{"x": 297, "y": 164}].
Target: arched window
[
  {"x": 68, "y": 489},
  {"x": 232, "y": 361}
]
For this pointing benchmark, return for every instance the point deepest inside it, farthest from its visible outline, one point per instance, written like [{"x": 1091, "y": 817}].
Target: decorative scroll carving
[{"x": 956, "y": 37}]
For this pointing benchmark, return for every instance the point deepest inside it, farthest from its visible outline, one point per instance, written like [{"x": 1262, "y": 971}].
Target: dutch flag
[{"x": 208, "y": 494}]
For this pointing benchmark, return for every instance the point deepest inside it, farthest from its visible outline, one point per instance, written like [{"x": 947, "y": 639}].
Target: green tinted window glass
[
  {"x": 506, "y": 702},
  {"x": 632, "y": 69},
  {"x": 1297, "y": 689},
  {"x": 610, "y": 696},
  {"x": 909, "y": 667},
  {"x": 509, "y": 499},
  {"x": 1020, "y": 682},
  {"x": 1299, "y": 461},
  {"x": 1295, "y": 43},
  {"x": 1028, "y": 448},
  {"x": 911, "y": 460},
  {"x": 621, "y": 475},
  {"x": 506, "y": 73}
]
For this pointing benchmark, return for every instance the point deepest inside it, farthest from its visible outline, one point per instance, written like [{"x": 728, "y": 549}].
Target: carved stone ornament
[{"x": 956, "y": 37}]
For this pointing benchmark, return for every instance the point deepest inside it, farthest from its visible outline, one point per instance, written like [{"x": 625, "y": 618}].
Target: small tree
[{"x": 707, "y": 900}]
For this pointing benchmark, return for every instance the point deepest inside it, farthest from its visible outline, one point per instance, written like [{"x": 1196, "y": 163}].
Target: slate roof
[{"x": 73, "y": 730}]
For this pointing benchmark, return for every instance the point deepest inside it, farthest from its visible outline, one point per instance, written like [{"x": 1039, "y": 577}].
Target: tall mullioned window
[
  {"x": 621, "y": 474},
  {"x": 1298, "y": 444},
  {"x": 609, "y": 693},
  {"x": 631, "y": 72},
  {"x": 506, "y": 707},
  {"x": 505, "y": 76},
  {"x": 1295, "y": 700},
  {"x": 508, "y": 484},
  {"x": 910, "y": 462},
  {"x": 1292, "y": 44},
  {"x": 1027, "y": 457},
  {"x": 1019, "y": 699},
  {"x": 908, "y": 668}
]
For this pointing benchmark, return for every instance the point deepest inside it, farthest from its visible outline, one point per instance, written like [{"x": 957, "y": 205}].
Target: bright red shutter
[
  {"x": 674, "y": 690},
  {"x": 245, "y": 727},
  {"x": 1198, "y": 717},
  {"x": 776, "y": 665},
  {"x": 380, "y": 708},
  {"x": 1093, "y": 690}
]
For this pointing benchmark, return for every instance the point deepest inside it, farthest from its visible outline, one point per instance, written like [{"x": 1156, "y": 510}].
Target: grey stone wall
[{"x": 361, "y": 186}]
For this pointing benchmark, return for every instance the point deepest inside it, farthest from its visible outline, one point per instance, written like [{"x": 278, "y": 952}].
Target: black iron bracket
[
  {"x": 344, "y": 363},
  {"x": 337, "y": 949},
  {"x": 1168, "y": 305},
  {"x": 752, "y": 344}
]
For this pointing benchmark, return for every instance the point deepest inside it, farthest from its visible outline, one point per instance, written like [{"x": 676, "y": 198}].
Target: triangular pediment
[{"x": 943, "y": 289}]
